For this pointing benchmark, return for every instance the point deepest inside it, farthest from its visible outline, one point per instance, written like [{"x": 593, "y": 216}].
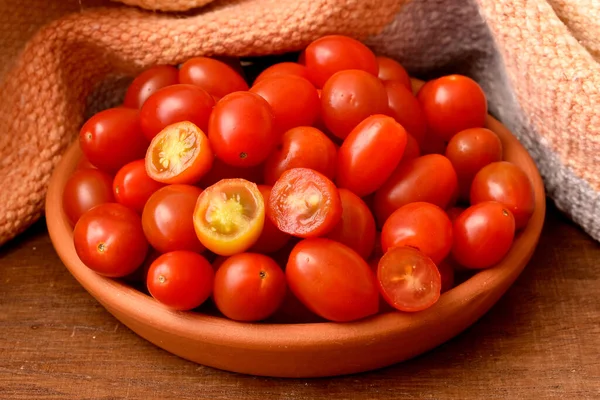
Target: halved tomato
[{"x": 229, "y": 216}]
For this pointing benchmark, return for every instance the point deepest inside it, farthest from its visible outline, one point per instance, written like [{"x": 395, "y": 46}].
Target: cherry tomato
[
  {"x": 447, "y": 275},
  {"x": 293, "y": 99},
  {"x": 249, "y": 287},
  {"x": 408, "y": 279},
  {"x": 109, "y": 239},
  {"x": 508, "y": 184},
  {"x": 412, "y": 149},
  {"x": 271, "y": 239},
  {"x": 181, "y": 280},
  {"x": 454, "y": 212},
  {"x": 423, "y": 226},
  {"x": 302, "y": 147},
  {"x": 429, "y": 178},
  {"x": 391, "y": 70},
  {"x": 469, "y": 151},
  {"x": 406, "y": 109},
  {"x": 349, "y": 97},
  {"x": 229, "y": 216},
  {"x": 451, "y": 104},
  {"x": 167, "y": 219},
  {"x": 148, "y": 82},
  {"x": 330, "y": 54},
  {"x": 483, "y": 235},
  {"x": 220, "y": 170},
  {"x": 180, "y": 153},
  {"x": 356, "y": 229},
  {"x": 332, "y": 280},
  {"x": 85, "y": 189},
  {"x": 241, "y": 130},
  {"x": 176, "y": 103},
  {"x": 132, "y": 186},
  {"x": 214, "y": 76},
  {"x": 370, "y": 154},
  {"x": 283, "y": 69},
  {"x": 304, "y": 203},
  {"x": 112, "y": 138}
]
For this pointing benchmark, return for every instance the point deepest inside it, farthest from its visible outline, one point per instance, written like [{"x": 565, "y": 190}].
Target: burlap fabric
[{"x": 536, "y": 59}]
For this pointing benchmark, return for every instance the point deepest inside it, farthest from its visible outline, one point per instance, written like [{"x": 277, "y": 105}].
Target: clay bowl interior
[{"x": 306, "y": 349}]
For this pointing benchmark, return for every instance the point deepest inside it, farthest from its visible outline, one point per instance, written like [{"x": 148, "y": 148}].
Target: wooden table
[{"x": 542, "y": 340}]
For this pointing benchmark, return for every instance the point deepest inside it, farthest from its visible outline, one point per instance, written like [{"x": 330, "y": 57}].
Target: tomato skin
[
  {"x": 148, "y": 82},
  {"x": 332, "y": 280},
  {"x": 167, "y": 219},
  {"x": 271, "y": 238},
  {"x": 483, "y": 235},
  {"x": 356, "y": 229},
  {"x": 412, "y": 149},
  {"x": 302, "y": 147},
  {"x": 412, "y": 181},
  {"x": 132, "y": 186},
  {"x": 221, "y": 170},
  {"x": 84, "y": 163},
  {"x": 370, "y": 154},
  {"x": 241, "y": 130},
  {"x": 176, "y": 103},
  {"x": 506, "y": 183},
  {"x": 214, "y": 76},
  {"x": 283, "y": 69},
  {"x": 348, "y": 98},
  {"x": 451, "y": 104},
  {"x": 423, "y": 226},
  {"x": 249, "y": 287},
  {"x": 391, "y": 70},
  {"x": 109, "y": 240},
  {"x": 112, "y": 138},
  {"x": 454, "y": 212},
  {"x": 406, "y": 109},
  {"x": 181, "y": 280},
  {"x": 85, "y": 189}
]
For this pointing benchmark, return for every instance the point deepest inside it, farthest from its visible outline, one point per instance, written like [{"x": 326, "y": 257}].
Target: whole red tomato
[
  {"x": 132, "y": 186},
  {"x": 282, "y": 69},
  {"x": 214, "y": 76},
  {"x": 391, "y": 70},
  {"x": 406, "y": 109},
  {"x": 148, "y": 82},
  {"x": 85, "y": 189}
]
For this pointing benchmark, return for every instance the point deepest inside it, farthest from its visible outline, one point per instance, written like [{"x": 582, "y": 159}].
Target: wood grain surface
[{"x": 541, "y": 341}]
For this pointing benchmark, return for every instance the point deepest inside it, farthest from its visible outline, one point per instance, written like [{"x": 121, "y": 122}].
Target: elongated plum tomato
[
  {"x": 483, "y": 234},
  {"x": 112, "y": 138},
  {"x": 370, "y": 154},
  {"x": 332, "y": 280},
  {"x": 214, "y": 76},
  {"x": 356, "y": 229},
  {"x": 420, "y": 225},
  {"x": 508, "y": 184},
  {"x": 109, "y": 240},
  {"x": 391, "y": 70},
  {"x": 148, "y": 82},
  {"x": 229, "y": 216},
  {"x": 249, "y": 287},
  {"x": 132, "y": 186},
  {"x": 302, "y": 147},
  {"x": 406, "y": 110},
  {"x": 304, "y": 203},
  {"x": 271, "y": 238},
  {"x": 283, "y": 69},
  {"x": 85, "y": 189},
  {"x": 180, "y": 153},
  {"x": 412, "y": 149},
  {"x": 408, "y": 279},
  {"x": 181, "y": 280},
  {"x": 241, "y": 130}
]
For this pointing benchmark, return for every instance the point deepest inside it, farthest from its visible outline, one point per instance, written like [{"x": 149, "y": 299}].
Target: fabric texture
[{"x": 537, "y": 60}]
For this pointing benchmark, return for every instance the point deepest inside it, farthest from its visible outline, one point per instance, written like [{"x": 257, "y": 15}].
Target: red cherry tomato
[
  {"x": 221, "y": 170},
  {"x": 148, "y": 82},
  {"x": 112, "y": 138},
  {"x": 406, "y": 110},
  {"x": 109, "y": 240},
  {"x": 176, "y": 103},
  {"x": 391, "y": 70},
  {"x": 332, "y": 280},
  {"x": 447, "y": 275},
  {"x": 356, "y": 229},
  {"x": 84, "y": 190},
  {"x": 370, "y": 154},
  {"x": 304, "y": 203},
  {"x": 408, "y": 279},
  {"x": 412, "y": 149},
  {"x": 249, "y": 287},
  {"x": 214, "y": 76},
  {"x": 133, "y": 187},
  {"x": 330, "y": 54},
  {"x": 454, "y": 212},
  {"x": 302, "y": 147},
  {"x": 349, "y": 97},
  {"x": 167, "y": 219},
  {"x": 283, "y": 69},
  {"x": 508, "y": 184},
  {"x": 483, "y": 235},
  {"x": 181, "y": 280},
  {"x": 451, "y": 104},
  {"x": 423, "y": 226},
  {"x": 241, "y": 130},
  {"x": 271, "y": 239}
]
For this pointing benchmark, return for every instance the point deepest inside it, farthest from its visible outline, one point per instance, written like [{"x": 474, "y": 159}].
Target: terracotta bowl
[{"x": 301, "y": 350}]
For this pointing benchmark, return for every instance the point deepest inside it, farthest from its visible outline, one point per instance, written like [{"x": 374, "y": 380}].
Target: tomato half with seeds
[
  {"x": 214, "y": 76},
  {"x": 271, "y": 238},
  {"x": 304, "y": 203},
  {"x": 229, "y": 216},
  {"x": 148, "y": 82},
  {"x": 84, "y": 190},
  {"x": 133, "y": 187},
  {"x": 283, "y": 69},
  {"x": 391, "y": 70}
]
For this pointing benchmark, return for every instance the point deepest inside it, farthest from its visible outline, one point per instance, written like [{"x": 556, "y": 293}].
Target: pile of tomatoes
[{"x": 328, "y": 182}]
